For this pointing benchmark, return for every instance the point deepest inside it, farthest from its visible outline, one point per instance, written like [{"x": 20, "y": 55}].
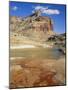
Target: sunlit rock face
[{"x": 34, "y": 26}]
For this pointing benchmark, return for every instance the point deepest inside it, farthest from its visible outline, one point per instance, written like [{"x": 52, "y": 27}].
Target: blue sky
[{"x": 54, "y": 11}]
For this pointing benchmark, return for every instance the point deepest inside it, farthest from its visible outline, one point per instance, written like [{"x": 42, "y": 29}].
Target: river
[{"x": 40, "y": 53}]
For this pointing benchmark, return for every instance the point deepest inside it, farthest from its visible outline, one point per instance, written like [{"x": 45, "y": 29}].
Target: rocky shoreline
[{"x": 33, "y": 73}]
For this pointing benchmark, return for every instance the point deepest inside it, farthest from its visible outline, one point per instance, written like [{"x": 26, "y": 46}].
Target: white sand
[
  {"x": 22, "y": 46},
  {"x": 30, "y": 46},
  {"x": 14, "y": 58}
]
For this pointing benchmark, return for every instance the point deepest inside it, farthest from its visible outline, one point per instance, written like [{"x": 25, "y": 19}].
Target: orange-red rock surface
[{"x": 33, "y": 73}]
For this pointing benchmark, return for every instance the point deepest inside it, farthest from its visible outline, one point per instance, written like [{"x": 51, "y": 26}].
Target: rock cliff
[{"x": 34, "y": 26}]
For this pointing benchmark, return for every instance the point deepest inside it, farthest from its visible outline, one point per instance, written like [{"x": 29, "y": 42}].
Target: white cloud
[
  {"x": 51, "y": 11},
  {"x": 46, "y": 10},
  {"x": 40, "y": 8},
  {"x": 15, "y": 8}
]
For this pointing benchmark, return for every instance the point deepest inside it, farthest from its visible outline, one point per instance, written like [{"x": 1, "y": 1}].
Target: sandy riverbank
[
  {"x": 22, "y": 46},
  {"x": 30, "y": 46}
]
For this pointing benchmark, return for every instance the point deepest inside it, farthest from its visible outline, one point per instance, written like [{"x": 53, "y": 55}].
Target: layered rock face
[{"x": 35, "y": 27}]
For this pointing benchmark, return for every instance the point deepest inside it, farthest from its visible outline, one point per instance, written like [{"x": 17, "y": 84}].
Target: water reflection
[{"x": 37, "y": 53}]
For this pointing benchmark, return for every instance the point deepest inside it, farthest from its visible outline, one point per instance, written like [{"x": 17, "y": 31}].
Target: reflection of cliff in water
[{"x": 37, "y": 53}]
